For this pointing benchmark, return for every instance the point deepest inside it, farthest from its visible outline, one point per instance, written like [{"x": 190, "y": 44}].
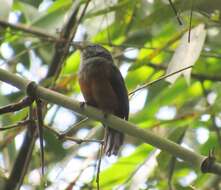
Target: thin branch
[
  {"x": 190, "y": 24},
  {"x": 79, "y": 141},
  {"x": 157, "y": 80},
  {"x": 99, "y": 167},
  {"x": 40, "y": 125},
  {"x": 34, "y": 46},
  {"x": 197, "y": 76},
  {"x": 61, "y": 48},
  {"x": 52, "y": 119},
  {"x": 114, "y": 122},
  {"x": 9, "y": 137},
  {"x": 63, "y": 137},
  {"x": 25, "y": 102},
  {"x": 95, "y": 168},
  {"x": 19, "y": 124},
  {"x": 55, "y": 39},
  {"x": 28, "y": 29},
  {"x": 21, "y": 164},
  {"x": 72, "y": 130},
  {"x": 67, "y": 35},
  {"x": 176, "y": 13}
]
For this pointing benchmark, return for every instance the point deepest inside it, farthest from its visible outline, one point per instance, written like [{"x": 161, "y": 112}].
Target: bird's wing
[{"x": 118, "y": 85}]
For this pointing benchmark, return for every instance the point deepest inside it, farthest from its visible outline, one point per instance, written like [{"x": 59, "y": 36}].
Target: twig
[
  {"x": 25, "y": 102},
  {"x": 79, "y": 141},
  {"x": 71, "y": 30},
  {"x": 99, "y": 167},
  {"x": 52, "y": 119},
  {"x": 61, "y": 136},
  {"x": 40, "y": 132},
  {"x": 61, "y": 48},
  {"x": 28, "y": 29},
  {"x": 135, "y": 46},
  {"x": 21, "y": 164},
  {"x": 9, "y": 137},
  {"x": 54, "y": 39},
  {"x": 190, "y": 25},
  {"x": 198, "y": 76},
  {"x": 95, "y": 167},
  {"x": 19, "y": 124},
  {"x": 176, "y": 13},
  {"x": 35, "y": 46},
  {"x": 75, "y": 127},
  {"x": 157, "y": 80}
]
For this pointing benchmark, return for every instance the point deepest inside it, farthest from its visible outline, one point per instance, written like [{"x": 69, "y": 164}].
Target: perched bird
[{"x": 102, "y": 86}]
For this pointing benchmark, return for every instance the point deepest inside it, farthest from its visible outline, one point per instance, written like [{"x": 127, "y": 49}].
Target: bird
[{"x": 103, "y": 87}]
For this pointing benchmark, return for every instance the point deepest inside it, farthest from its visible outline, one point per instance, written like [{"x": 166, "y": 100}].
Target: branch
[
  {"x": 19, "y": 124},
  {"x": 28, "y": 29},
  {"x": 67, "y": 34},
  {"x": 16, "y": 106},
  {"x": 21, "y": 164},
  {"x": 176, "y": 13},
  {"x": 198, "y": 76},
  {"x": 65, "y": 137},
  {"x": 161, "y": 78},
  {"x": 195, "y": 159},
  {"x": 40, "y": 132},
  {"x": 190, "y": 24}
]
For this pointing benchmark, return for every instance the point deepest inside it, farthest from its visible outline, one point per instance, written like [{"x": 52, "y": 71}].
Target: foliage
[{"x": 142, "y": 36}]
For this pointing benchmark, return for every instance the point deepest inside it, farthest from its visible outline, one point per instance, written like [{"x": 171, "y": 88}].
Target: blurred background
[{"x": 142, "y": 36}]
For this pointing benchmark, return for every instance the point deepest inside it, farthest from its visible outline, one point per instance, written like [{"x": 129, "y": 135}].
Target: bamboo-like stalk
[{"x": 193, "y": 158}]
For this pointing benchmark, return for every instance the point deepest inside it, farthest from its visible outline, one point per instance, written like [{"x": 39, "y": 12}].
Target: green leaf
[
  {"x": 29, "y": 12},
  {"x": 121, "y": 170}
]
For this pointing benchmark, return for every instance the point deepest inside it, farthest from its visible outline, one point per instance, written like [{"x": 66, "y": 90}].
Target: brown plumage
[{"x": 102, "y": 86}]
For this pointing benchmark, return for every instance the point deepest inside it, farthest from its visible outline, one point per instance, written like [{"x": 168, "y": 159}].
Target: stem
[{"x": 112, "y": 121}]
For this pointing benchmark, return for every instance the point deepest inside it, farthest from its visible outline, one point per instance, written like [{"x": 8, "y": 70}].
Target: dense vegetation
[{"x": 143, "y": 35}]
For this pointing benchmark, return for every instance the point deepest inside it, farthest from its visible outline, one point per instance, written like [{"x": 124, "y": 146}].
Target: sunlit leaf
[
  {"x": 119, "y": 171},
  {"x": 187, "y": 53}
]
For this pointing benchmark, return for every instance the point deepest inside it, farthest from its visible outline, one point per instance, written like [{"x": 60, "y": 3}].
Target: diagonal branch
[
  {"x": 24, "y": 156},
  {"x": 27, "y": 101},
  {"x": 193, "y": 158},
  {"x": 157, "y": 80},
  {"x": 176, "y": 13},
  {"x": 28, "y": 29},
  {"x": 198, "y": 76},
  {"x": 67, "y": 34}
]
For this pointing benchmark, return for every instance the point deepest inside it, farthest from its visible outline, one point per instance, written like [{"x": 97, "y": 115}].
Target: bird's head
[{"x": 93, "y": 50}]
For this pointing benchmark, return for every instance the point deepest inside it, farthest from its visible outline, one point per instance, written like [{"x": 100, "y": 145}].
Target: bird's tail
[{"x": 112, "y": 141}]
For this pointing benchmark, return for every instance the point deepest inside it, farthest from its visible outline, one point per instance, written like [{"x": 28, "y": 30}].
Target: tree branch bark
[{"x": 194, "y": 159}]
